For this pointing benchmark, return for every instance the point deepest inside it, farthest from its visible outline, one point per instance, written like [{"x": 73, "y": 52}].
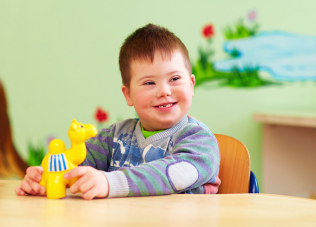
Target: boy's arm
[
  {"x": 193, "y": 162},
  {"x": 99, "y": 149}
]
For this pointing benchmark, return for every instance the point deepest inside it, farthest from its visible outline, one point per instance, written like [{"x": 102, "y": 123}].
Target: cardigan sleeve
[
  {"x": 193, "y": 161},
  {"x": 99, "y": 149}
]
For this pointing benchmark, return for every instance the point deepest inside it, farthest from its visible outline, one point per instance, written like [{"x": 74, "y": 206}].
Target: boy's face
[{"x": 161, "y": 92}]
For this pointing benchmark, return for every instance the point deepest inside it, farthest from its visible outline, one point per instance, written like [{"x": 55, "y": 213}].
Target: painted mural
[{"x": 285, "y": 56}]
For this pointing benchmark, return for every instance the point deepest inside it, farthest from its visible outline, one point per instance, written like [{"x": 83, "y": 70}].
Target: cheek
[
  {"x": 185, "y": 94},
  {"x": 185, "y": 97},
  {"x": 143, "y": 100}
]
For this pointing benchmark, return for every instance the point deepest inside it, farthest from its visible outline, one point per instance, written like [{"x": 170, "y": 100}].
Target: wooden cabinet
[{"x": 289, "y": 152}]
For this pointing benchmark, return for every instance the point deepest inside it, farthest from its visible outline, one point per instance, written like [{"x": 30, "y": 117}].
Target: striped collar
[{"x": 142, "y": 142}]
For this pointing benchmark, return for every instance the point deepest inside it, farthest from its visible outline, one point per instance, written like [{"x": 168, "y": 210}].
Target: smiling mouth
[{"x": 165, "y": 106}]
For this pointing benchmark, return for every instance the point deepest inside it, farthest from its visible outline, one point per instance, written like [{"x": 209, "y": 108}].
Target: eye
[
  {"x": 149, "y": 83},
  {"x": 175, "y": 78},
  {"x": 80, "y": 126}
]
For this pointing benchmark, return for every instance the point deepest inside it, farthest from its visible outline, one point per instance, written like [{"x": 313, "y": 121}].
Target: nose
[{"x": 163, "y": 90}]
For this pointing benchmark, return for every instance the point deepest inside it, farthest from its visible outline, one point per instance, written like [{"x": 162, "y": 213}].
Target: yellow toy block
[{"x": 59, "y": 160}]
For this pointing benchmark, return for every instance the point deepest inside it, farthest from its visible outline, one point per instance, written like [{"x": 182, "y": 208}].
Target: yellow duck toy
[{"x": 59, "y": 160}]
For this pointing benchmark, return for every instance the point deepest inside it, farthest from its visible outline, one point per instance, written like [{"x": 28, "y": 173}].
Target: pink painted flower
[
  {"x": 208, "y": 31},
  {"x": 252, "y": 15}
]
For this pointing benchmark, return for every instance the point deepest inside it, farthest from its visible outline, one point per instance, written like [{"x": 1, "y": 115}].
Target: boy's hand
[
  {"x": 30, "y": 183},
  {"x": 92, "y": 183}
]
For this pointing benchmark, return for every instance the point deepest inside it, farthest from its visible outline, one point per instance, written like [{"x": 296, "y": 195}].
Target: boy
[{"x": 164, "y": 151}]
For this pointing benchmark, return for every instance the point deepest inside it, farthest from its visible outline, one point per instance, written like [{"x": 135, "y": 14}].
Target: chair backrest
[{"x": 234, "y": 171}]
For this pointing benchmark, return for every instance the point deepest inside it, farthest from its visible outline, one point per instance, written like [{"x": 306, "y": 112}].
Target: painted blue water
[{"x": 286, "y": 56}]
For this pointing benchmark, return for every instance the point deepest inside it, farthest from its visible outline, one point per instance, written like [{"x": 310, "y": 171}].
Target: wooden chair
[{"x": 234, "y": 172}]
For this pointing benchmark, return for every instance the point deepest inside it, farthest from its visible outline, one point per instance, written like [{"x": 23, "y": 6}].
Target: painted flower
[
  {"x": 49, "y": 139},
  {"x": 208, "y": 31},
  {"x": 101, "y": 115},
  {"x": 252, "y": 15}
]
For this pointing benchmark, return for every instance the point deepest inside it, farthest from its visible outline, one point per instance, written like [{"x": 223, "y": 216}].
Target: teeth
[{"x": 165, "y": 106}]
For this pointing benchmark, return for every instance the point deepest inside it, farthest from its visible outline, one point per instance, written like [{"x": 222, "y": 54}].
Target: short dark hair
[{"x": 142, "y": 45}]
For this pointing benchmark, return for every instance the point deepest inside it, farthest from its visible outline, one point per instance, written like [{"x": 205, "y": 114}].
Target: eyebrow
[
  {"x": 145, "y": 77},
  {"x": 150, "y": 76},
  {"x": 173, "y": 72}
]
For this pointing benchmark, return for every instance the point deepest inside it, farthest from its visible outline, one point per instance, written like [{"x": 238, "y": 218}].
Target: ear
[
  {"x": 73, "y": 125},
  {"x": 192, "y": 82},
  {"x": 127, "y": 95}
]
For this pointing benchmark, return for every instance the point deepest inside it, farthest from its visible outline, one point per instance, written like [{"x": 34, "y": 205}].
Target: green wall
[{"x": 59, "y": 61}]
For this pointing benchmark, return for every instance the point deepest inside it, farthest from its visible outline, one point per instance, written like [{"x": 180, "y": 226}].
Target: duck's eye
[{"x": 80, "y": 126}]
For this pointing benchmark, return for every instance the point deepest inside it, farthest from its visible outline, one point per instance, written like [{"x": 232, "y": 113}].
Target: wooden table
[{"x": 169, "y": 210}]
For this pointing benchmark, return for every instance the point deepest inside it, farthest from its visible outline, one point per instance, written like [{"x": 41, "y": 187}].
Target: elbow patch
[{"x": 182, "y": 175}]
